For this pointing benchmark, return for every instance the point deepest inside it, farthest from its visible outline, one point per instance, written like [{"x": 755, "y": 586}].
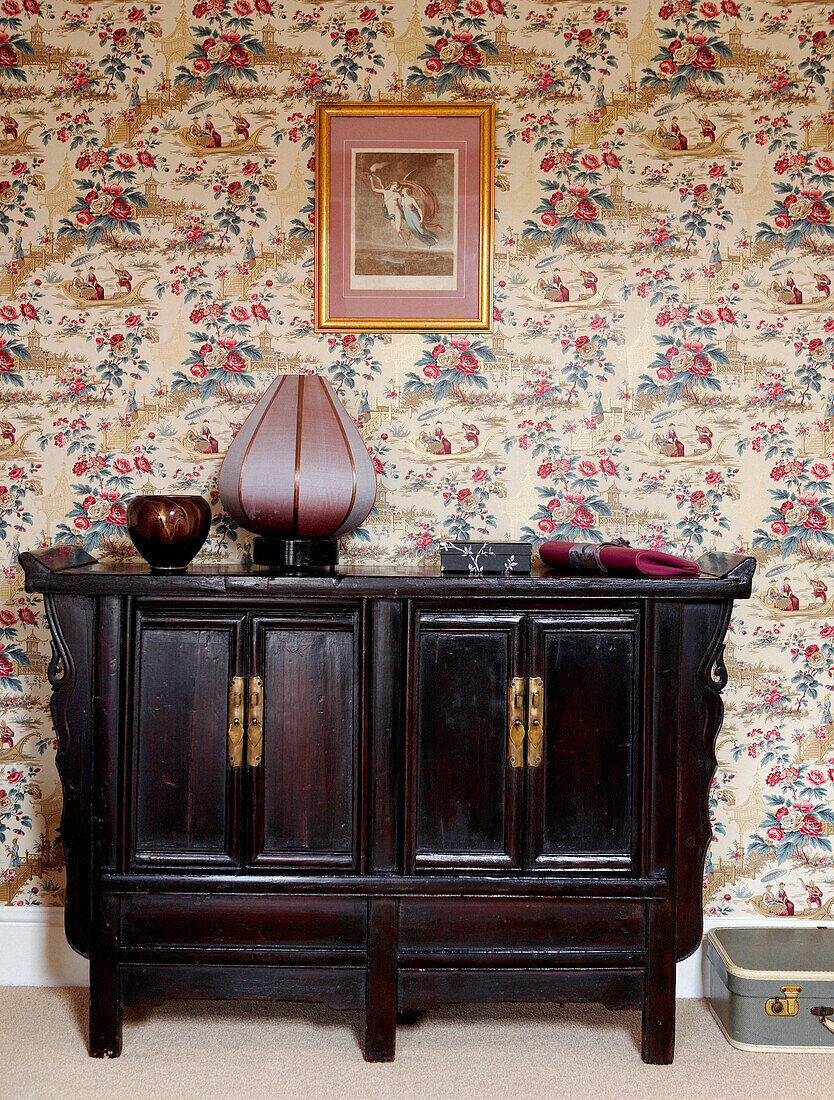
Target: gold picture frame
[{"x": 404, "y": 217}]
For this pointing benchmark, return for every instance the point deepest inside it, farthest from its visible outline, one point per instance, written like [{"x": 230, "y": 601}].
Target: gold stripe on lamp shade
[{"x": 298, "y": 468}]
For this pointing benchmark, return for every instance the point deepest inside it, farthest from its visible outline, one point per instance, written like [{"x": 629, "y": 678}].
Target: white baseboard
[{"x": 34, "y": 950}]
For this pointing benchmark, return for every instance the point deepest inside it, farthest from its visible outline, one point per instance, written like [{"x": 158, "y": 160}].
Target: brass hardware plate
[
  {"x": 235, "y": 744},
  {"x": 517, "y": 731},
  {"x": 784, "y": 1006},
  {"x": 255, "y": 729},
  {"x": 535, "y": 729}
]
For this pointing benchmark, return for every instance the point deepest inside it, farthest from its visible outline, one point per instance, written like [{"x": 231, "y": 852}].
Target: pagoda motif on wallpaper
[{"x": 660, "y": 369}]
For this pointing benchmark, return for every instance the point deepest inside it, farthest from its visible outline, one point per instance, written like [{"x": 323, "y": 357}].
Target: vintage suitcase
[{"x": 773, "y": 988}]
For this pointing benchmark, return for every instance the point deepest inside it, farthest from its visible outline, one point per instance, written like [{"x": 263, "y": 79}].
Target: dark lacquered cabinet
[
  {"x": 463, "y": 801},
  {"x": 304, "y": 793},
  {"x": 567, "y": 802},
  {"x": 184, "y": 801},
  {"x": 279, "y": 791},
  {"x": 385, "y": 790}
]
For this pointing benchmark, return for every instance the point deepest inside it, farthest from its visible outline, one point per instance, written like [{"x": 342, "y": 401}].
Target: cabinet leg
[
  {"x": 105, "y": 998},
  {"x": 659, "y": 996},
  {"x": 381, "y": 986}
]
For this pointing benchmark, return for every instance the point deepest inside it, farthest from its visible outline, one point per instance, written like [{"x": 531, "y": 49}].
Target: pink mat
[{"x": 605, "y": 557}]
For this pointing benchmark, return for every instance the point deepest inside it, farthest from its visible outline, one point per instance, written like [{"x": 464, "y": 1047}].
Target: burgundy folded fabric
[{"x": 605, "y": 557}]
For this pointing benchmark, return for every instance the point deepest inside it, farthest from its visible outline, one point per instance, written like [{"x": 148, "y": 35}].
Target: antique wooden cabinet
[{"x": 385, "y": 790}]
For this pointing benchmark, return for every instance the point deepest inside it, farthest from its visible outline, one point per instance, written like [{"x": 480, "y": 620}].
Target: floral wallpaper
[{"x": 660, "y": 368}]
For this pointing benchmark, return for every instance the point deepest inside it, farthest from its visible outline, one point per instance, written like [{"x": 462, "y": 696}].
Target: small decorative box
[
  {"x": 479, "y": 559},
  {"x": 773, "y": 988}
]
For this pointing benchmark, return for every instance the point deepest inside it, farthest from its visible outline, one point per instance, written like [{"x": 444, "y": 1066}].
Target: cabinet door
[
  {"x": 464, "y": 797},
  {"x": 185, "y": 797},
  {"x": 305, "y": 792},
  {"x": 582, "y": 798}
]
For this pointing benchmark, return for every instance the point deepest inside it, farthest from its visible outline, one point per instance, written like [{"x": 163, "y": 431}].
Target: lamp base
[{"x": 295, "y": 554}]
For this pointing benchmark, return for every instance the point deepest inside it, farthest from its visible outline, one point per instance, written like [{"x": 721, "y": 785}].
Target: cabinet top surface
[{"x": 723, "y": 576}]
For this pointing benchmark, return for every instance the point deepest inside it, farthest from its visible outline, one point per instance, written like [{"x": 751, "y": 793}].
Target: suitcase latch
[{"x": 784, "y": 1006}]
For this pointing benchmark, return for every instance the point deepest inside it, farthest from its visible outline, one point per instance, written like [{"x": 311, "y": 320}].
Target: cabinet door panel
[
  {"x": 464, "y": 796},
  {"x": 185, "y": 796},
  {"x": 305, "y": 790},
  {"x": 581, "y": 801}
]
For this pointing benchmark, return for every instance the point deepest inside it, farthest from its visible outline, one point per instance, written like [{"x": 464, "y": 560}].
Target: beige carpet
[{"x": 243, "y": 1049}]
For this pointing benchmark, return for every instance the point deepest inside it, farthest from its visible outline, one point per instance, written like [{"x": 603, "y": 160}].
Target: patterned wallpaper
[{"x": 661, "y": 366}]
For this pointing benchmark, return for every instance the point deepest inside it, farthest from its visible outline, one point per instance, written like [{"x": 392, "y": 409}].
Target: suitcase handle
[{"x": 823, "y": 1012}]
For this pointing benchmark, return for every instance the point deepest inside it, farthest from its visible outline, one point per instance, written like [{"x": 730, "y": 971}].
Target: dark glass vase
[{"x": 168, "y": 531}]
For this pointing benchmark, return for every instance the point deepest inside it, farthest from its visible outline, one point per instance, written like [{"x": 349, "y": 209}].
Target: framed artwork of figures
[{"x": 404, "y": 213}]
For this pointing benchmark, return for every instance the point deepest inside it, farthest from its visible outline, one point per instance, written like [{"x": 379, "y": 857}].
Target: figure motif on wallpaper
[
  {"x": 201, "y": 442},
  {"x": 671, "y": 445},
  {"x": 210, "y": 134},
  {"x": 819, "y": 589},
  {"x": 771, "y": 903},
  {"x": 672, "y": 138},
  {"x": 707, "y": 130},
  {"x": 125, "y": 279},
  {"x": 782, "y": 905},
  {"x": 404, "y": 224},
  {"x": 554, "y": 289},
  {"x": 206, "y": 136},
  {"x": 785, "y": 900},
  {"x": 89, "y": 289},
  {"x": 784, "y": 599},
  {"x": 14, "y": 853},
  {"x": 557, "y": 291},
  {"x": 438, "y": 444},
  {"x": 787, "y": 292},
  {"x": 10, "y": 126},
  {"x": 704, "y": 437},
  {"x": 241, "y": 125},
  {"x": 814, "y": 894}
]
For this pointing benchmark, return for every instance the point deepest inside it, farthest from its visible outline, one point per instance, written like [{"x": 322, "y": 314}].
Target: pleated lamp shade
[{"x": 298, "y": 469}]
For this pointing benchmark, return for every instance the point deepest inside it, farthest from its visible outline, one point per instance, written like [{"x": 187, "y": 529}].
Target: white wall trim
[{"x": 34, "y": 949}]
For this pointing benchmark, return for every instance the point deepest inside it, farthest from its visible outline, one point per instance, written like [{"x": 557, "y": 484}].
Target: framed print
[{"x": 404, "y": 212}]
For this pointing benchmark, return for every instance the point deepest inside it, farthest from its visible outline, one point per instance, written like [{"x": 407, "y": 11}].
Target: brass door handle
[
  {"x": 535, "y": 730},
  {"x": 517, "y": 731},
  {"x": 255, "y": 729},
  {"x": 235, "y": 742}
]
